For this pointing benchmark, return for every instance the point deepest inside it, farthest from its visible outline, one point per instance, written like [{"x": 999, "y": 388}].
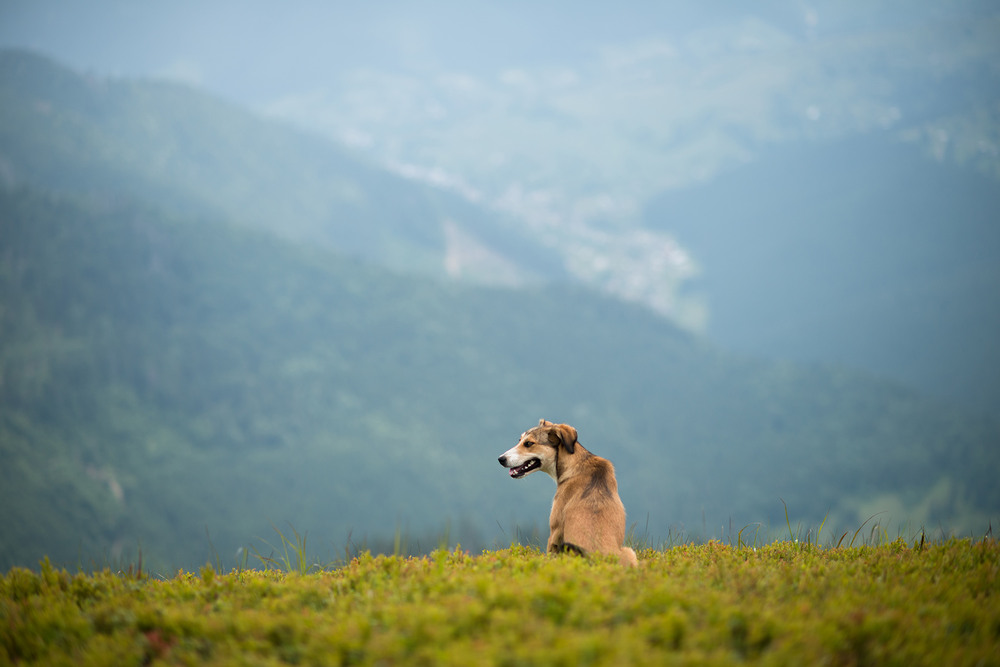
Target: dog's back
[{"x": 589, "y": 508}]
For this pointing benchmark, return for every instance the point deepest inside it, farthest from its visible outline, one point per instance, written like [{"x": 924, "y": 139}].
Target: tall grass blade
[
  {"x": 851, "y": 545},
  {"x": 788, "y": 523}
]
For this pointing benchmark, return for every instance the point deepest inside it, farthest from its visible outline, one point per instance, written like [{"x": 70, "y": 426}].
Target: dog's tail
[{"x": 628, "y": 557}]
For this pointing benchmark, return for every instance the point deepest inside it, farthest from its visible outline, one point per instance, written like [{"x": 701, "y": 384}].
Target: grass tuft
[{"x": 293, "y": 558}]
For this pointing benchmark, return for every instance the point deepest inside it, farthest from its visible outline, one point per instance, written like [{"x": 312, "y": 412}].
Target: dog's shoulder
[
  {"x": 601, "y": 478},
  {"x": 593, "y": 478}
]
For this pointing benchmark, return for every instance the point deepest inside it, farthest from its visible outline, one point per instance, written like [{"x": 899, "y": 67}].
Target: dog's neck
[{"x": 564, "y": 469}]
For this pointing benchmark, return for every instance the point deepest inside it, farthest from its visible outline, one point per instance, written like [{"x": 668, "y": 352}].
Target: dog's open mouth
[{"x": 521, "y": 471}]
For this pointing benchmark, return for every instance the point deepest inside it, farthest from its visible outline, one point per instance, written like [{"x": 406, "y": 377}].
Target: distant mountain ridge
[{"x": 188, "y": 151}]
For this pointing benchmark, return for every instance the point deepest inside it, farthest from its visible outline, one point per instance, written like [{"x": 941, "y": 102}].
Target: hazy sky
[{"x": 255, "y": 50}]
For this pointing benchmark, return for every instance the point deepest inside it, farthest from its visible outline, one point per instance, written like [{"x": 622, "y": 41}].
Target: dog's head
[{"x": 537, "y": 449}]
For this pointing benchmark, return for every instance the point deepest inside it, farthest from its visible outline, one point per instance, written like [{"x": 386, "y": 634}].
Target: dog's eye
[{"x": 528, "y": 444}]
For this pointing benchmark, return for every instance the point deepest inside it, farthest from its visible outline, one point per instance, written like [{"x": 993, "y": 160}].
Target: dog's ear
[
  {"x": 543, "y": 422},
  {"x": 565, "y": 435}
]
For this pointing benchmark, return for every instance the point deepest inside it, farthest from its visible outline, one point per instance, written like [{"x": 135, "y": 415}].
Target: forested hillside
[{"x": 178, "y": 383}]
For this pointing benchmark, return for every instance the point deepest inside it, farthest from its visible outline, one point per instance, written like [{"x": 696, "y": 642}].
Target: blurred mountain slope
[
  {"x": 196, "y": 333},
  {"x": 164, "y": 376},
  {"x": 630, "y": 102},
  {"x": 857, "y": 252},
  {"x": 187, "y": 151}
]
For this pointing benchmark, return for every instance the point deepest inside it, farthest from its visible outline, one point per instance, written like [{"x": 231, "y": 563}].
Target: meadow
[{"x": 787, "y": 602}]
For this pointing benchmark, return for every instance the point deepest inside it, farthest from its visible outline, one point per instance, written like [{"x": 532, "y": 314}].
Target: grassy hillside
[
  {"x": 178, "y": 385},
  {"x": 786, "y": 603},
  {"x": 857, "y": 252},
  {"x": 189, "y": 152}
]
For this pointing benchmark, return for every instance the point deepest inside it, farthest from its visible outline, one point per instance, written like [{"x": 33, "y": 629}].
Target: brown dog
[{"x": 587, "y": 514}]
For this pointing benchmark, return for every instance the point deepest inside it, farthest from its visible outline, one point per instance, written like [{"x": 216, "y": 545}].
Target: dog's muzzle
[{"x": 521, "y": 470}]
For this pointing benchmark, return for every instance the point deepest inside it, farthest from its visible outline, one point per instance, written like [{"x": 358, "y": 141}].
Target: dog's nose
[{"x": 503, "y": 461}]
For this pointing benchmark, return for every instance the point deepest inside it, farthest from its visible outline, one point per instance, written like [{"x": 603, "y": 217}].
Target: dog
[{"x": 587, "y": 514}]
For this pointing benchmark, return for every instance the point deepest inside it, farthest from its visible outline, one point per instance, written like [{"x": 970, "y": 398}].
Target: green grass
[{"x": 788, "y": 602}]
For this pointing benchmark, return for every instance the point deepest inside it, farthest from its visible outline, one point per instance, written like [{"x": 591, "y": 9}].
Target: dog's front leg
[{"x": 555, "y": 530}]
